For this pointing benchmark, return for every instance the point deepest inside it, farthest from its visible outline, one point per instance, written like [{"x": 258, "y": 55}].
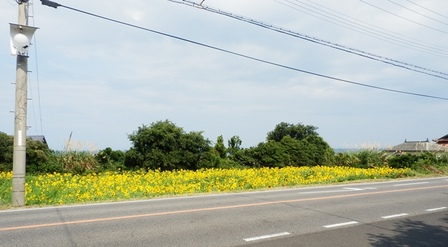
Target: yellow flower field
[{"x": 53, "y": 189}]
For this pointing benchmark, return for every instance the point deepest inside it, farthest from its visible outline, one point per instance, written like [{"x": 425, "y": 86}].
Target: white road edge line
[
  {"x": 266, "y": 236},
  {"x": 354, "y": 189},
  {"x": 323, "y": 191},
  {"x": 407, "y": 184},
  {"x": 342, "y": 224},
  {"x": 435, "y": 209},
  {"x": 394, "y": 216}
]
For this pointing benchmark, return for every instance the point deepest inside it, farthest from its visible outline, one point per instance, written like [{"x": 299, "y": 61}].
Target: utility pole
[{"x": 21, "y": 35}]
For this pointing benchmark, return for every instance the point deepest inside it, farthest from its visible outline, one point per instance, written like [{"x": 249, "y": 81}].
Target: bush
[
  {"x": 402, "y": 160},
  {"x": 245, "y": 157},
  {"x": 443, "y": 158},
  {"x": 6, "y": 148},
  {"x": 132, "y": 159},
  {"x": 110, "y": 160},
  {"x": 371, "y": 158},
  {"x": 310, "y": 149},
  {"x": 346, "y": 159},
  {"x": 288, "y": 145},
  {"x": 77, "y": 162},
  {"x": 165, "y": 146},
  {"x": 271, "y": 154},
  {"x": 6, "y": 152},
  {"x": 51, "y": 165},
  {"x": 37, "y": 156},
  {"x": 419, "y": 161},
  {"x": 287, "y": 152}
]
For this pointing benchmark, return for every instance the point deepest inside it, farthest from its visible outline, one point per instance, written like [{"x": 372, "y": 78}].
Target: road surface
[{"x": 358, "y": 214}]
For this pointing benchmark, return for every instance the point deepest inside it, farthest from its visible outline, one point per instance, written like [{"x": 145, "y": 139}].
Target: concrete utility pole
[{"x": 21, "y": 35}]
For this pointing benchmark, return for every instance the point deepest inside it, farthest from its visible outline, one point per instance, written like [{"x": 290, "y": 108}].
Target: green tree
[
  {"x": 220, "y": 148},
  {"x": 6, "y": 150},
  {"x": 133, "y": 159},
  {"x": 234, "y": 145},
  {"x": 289, "y": 145},
  {"x": 296, "y": 131},
  {"x": 37, "y": 156},
  {"x": 299, "y": 153},
  {"x": 317, "y": 151},
  {"x": 163, "y": 145},
  {"x": 271, "y": 154},
  {"x": 287, "y": 152},
  {"x": 110, "y": 159}
]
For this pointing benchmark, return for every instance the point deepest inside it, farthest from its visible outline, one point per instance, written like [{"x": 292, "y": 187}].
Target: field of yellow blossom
[{"x": 57, "y": 189}]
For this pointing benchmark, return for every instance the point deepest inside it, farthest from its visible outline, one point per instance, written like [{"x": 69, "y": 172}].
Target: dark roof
[
  {"x": 38, "y": 138},
  {"x": 443, "y": 137},
  {"x": 418, "y": 146}
]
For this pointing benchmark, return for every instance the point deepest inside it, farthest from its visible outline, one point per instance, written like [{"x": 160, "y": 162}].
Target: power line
[
  {"x": 429, "y": 17},
  {"x": 37, "y": 74},
  {"x": 350, "y": 50},
  {"x": 12, "y": 4},
  {"x": 368, "y": 29},
  {"x": 55, "y": 5},
  {"x": 404, "y": 18},
  {"x": 432, "y": 11}
]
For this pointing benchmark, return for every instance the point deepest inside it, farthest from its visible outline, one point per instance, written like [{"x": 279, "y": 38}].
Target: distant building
[
  {"x": 418, "y": 146},
  {"x": 442, "y": 140},
  {"x": 40, "y": 138}
]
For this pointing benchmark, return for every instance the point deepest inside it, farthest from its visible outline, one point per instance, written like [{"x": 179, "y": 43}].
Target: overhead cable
[
  {"x": 55, "y": 5},
  {"x": 404, "y": 65},
  {"x": 427, "y": 9},
  {"x": 418, "y": 13},
  {"x": 37, "y": 75},
  {"x": 351, "y": 23},
  {"x": 404, "y": 18}
]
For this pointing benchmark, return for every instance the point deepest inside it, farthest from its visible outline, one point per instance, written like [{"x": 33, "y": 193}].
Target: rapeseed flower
[{"x": 69, "y": 188}]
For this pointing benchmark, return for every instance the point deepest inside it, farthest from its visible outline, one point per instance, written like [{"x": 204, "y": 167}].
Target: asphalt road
[
  {"x": 396, "y": 213},
  {"x": 427, "y": 230}
]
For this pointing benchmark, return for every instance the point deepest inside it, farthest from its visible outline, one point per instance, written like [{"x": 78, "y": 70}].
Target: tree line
[{"x": 165, "y": 146}]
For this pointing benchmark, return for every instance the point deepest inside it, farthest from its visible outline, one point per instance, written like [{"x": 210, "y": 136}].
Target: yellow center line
[{"x": 258, "y": 204}]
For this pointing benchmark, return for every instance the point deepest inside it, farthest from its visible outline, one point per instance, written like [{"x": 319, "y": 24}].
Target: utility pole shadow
[{"x": 413, "y": 233}]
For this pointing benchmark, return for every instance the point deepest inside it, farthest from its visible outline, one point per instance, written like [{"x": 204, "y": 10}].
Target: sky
[{"x": 96, "y": 81}]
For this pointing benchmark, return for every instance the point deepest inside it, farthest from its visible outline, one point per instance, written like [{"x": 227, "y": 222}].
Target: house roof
[
  {"x": 445, "y": 137},
  {"x": 418, "y": 146},
  {"x": 38, "y": 138}
]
